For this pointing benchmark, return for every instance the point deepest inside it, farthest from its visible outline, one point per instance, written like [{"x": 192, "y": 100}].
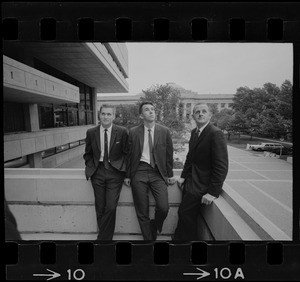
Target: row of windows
[
  {"x": 17, "y": 162},
  {"x": 59, "y": 149},
  {"x": 22, "y": 161}
]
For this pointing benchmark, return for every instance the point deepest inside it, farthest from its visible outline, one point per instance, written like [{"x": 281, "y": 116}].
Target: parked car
[
  {"x": 266, "y": 146},
  {"x": 284, "y": 151}
]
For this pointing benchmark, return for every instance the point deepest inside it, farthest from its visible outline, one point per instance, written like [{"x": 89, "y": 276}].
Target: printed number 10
[{"x": 78, "y": 274}]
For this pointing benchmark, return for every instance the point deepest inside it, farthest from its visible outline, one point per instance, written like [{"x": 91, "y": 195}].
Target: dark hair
[
  {"x": 107, "y": 106},
  {"x": 144, "y": 103}
]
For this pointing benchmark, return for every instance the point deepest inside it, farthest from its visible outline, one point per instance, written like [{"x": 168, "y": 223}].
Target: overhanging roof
[{"x": 86, "y": 62}]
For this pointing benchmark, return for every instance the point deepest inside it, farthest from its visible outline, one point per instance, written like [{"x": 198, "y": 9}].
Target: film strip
[{"x": 156, "y": 22}]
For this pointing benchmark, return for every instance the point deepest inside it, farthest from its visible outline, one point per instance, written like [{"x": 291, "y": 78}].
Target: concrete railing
[{"x": 61, "y": 201}]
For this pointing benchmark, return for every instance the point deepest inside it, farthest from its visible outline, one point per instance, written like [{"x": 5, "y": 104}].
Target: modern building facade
[
  {"x": 50, "y": 97},
  {"x": 188, "y": 99}
]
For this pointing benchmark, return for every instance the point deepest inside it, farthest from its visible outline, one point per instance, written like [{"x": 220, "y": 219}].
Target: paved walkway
[{"x": 265, "y": 182}]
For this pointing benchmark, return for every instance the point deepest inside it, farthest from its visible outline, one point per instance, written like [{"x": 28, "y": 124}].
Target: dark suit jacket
[
  {"x": 206, "y": 161},
  {"x": 163, "y": 150},
  {"x": 117, "y": 149}
]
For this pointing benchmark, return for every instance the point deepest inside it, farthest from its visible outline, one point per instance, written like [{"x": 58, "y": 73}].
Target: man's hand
[
  {"x": 180, "y": 182},
  {"x": 127, "y": 182},
  {"x": 207, "y": 199},
  {"x": 171, "y": 180}
]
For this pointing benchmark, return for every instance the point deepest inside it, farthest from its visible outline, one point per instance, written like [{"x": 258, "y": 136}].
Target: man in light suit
[
  {"x": 204, "y": 172},
  {"x": 150, "y": 166},
  {"x": 105, "y": 164}
]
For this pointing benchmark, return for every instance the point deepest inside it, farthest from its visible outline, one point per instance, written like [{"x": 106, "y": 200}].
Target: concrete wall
[
  {"x": 63, "y": 157},
  {"x": 22, "y": 144},
  {"x": 36, "y": 86},
  {"x": 62, "y": 201}
]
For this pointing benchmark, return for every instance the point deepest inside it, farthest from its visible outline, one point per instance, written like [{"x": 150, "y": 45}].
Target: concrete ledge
[
  {"x": 225, "y": 223},
  {"x": 262, "y": 226},
  {"x": 61, "y": 201}
]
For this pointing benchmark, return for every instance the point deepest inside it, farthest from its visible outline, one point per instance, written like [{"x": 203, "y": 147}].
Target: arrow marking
[
  {"x": 202, "y": 273},
  {"x": 52, "y": 275}
]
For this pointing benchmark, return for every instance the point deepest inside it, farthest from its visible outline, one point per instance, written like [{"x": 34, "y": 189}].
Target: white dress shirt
[
  {"x": 145, "y": 155},
  {"x": 199, "y": 130},
  {"x": 102, "y": 140}
]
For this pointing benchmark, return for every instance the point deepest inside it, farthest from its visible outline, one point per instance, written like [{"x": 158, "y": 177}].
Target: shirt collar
[
  {"x": 202, "y": 128},
  {"x": 152, "y": 128},
  {"x": 108, "y": 129}
]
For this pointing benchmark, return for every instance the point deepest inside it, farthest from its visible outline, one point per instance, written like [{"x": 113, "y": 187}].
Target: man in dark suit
[
  {"x": 105, "y": 163},
  {"x": 204, "y": 172},
  {"x": 150, "y": 166}
]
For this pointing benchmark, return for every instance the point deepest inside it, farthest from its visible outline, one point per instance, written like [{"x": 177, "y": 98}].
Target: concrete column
[
  {"x": 31, "y": 117},
  {"x": 95, "y": 106},
  {"x": 184, "y": 111},
  {"x": 35, "y": 160},
  {"x": 192, "y": 108},
  {"x": 219, "y": 106}
]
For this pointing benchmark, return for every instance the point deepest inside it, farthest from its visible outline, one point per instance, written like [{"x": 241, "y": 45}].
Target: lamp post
[{"x": 281, "y": 140}]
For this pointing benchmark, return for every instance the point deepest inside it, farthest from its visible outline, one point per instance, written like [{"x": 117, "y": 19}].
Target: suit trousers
[
  {"x": 147, "y": 178},
  {"x": 188, "y": 213},
  {"x": 107, "y": 185}
]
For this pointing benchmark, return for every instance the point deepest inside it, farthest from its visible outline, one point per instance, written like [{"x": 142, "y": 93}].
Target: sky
[{"x": 208, "y": 68}]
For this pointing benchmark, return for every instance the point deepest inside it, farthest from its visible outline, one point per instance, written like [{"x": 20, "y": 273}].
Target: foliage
[
  {"x": 166, "y": 100},
  {"x": 265, "y": 111},
  {"x": 127, "y": 115}
]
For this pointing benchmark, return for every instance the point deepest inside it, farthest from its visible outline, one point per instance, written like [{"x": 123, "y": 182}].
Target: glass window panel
[
  {"x": 46, "y": 116},
  {"x": 48, "y": 153},
  {"x": 60, "y": 117},
  {"x": 82, "y": 117},
  {"x": 74, "y": 144},
  {"x": 73, "y": 117},
  {"x": 18, "y": 162},
  {"x": 82, "y": 141},
  {"x": 62, "y": 148},
  {"x": 89, "y": 117}
]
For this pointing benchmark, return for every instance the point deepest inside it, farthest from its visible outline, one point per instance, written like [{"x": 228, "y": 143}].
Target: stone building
[{"x": 188, "y": 99}]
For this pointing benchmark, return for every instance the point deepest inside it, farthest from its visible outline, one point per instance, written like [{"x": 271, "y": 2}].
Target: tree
[
  {"x": 266, "y": 111},
  {"x": 127, "y": 115},
  {"x": 166, "y": 101}
]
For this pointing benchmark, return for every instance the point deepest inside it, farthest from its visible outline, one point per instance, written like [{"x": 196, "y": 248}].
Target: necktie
[
  {"x": 105, "y": 158},
  {"x": 198, "y": 132},
  {"x": 152, "y": 163}
]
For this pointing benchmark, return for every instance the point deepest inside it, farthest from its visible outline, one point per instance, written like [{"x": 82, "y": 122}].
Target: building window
[
  {"x": 74, "y": 144},
  {"x": 46, "y": 116},
  {"x": 56, "y": 150},
  {"x": 18, "y": 162},
  {"x": 60, "y": 115},
  {"x": 62, "y": 148},
  {"x": 13, "y": 117},
  {"x": 48, "y": 153}
]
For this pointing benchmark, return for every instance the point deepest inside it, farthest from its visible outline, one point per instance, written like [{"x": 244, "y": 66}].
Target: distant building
[
  {"x": 188, "y": 99},
  {"x": 50, "y": 97}
]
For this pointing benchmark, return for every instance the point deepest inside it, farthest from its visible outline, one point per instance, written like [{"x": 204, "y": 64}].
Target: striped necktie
[{"x": 152, "y": 162}]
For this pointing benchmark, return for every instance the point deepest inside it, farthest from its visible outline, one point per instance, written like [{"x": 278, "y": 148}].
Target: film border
[{"x": 160, "y": 22}]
